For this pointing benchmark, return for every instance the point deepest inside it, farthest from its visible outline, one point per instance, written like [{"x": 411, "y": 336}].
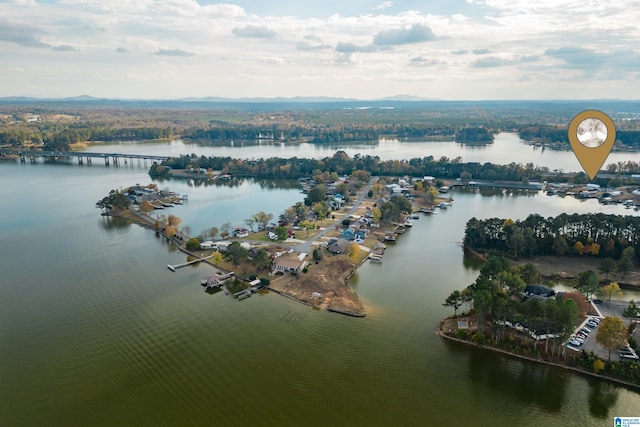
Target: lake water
[
  {"x": 94, "y": 330},
  {"x": 507, "y": 148}
]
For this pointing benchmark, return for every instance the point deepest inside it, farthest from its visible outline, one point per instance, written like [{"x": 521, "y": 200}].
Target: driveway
[{"x": 306, "y": 246}]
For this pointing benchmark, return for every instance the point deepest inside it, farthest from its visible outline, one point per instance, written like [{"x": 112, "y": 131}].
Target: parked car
[
  {"x": 631, "y": 356},
  {"x": 597, "y": 301},
  {"x": 585, "y": 330},
  {"x": 592, "y": 325},
  {"x": 575, "y": 343}
]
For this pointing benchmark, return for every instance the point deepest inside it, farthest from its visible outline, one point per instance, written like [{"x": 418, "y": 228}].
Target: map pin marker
[{"x": 592, "y": 134}]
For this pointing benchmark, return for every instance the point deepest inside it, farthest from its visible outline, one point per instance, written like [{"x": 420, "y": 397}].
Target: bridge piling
[{"x": 83, "y": 157}]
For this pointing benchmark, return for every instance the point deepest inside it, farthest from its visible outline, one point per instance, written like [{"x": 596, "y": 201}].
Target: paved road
[{"x": 306, "y": 246}]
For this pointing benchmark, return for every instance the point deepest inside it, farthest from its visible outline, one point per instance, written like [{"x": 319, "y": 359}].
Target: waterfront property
[
  {"x": 289, "y": 263},
  {"x": 216, "y": 280},
  {"x": 539, "y": 291}
]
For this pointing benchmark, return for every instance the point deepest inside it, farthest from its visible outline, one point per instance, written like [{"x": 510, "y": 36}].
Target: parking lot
[{"x": 606, "y": 308}]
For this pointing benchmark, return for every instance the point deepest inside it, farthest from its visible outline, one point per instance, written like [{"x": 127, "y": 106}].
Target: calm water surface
[
  {"x": 94, "y": 330},
  {"x": 507, "y": 148}
]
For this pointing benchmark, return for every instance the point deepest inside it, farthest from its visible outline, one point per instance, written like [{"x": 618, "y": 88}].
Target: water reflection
[
  {"x": 235, "y": 182},
  {"x": 497, "y": 192},
  {"x": 602, "y": 396},
  {"x": 528, "y": 382},
  {"x": 113, "y": 223},
  {"x": 472, "y": 261},
  {"x": 168, "y": 244}
]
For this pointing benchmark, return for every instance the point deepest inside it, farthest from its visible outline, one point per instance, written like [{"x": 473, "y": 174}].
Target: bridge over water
[{"x": 115, "y": 158}]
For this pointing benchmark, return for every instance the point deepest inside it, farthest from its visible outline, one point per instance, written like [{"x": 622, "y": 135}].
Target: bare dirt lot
[
  {"x": 567, "y": 267},
  {"x": 328, "y": 278}
]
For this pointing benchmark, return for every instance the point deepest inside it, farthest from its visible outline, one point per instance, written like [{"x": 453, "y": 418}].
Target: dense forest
[
  {"x": 342, "y": 164},
  {"x": 593, "y": 234},
  {"x": 61, "y": 124},
  {"x": 548, "y": 133},
  {"x": 474, "y": 135}
]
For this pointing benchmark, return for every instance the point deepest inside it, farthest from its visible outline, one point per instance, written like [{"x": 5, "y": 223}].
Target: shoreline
[
  {"x": 442, "y": 334},
  {"x": 323, "y": 284},
  {"x": 147, "y": 222}
]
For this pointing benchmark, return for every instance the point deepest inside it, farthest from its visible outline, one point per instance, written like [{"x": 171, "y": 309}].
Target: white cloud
[
  {"x": 174, "y": 52},
  {"x": 417, "y": 33},
  {"x": 24, "y": 3},
  {"x": 254, "y": 31},
  {"x": 516, "y": 45},
  {"x": 383, "y": 5}
]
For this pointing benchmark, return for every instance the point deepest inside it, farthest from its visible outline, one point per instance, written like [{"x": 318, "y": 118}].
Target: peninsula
[
  {"x": 509, "y": 309},
  {"x": 312, "y": 249}
]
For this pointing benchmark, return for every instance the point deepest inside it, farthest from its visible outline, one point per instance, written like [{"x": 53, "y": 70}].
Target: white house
[{"x": 207, "y": 244}]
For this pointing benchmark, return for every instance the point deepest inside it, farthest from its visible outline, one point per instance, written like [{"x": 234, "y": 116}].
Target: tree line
[
  {"x": 556, "y": 133},
  {"x": 591, "y": 234},
  {"x": 342, "y": 164},
  {"x": 59, "y": 138}
]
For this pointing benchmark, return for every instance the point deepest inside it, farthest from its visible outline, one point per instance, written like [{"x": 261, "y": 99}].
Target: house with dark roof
[
  {"x": 539, "y": 291},
  {"x": 338, "y": 246}
]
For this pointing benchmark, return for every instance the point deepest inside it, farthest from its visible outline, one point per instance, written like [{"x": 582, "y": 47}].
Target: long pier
[
  {"x": 184, "y": 264},
  {"x": 109, "y": 158}
]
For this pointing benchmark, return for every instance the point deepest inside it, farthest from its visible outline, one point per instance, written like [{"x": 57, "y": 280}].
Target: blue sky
[{"x": 448, "y": 49}]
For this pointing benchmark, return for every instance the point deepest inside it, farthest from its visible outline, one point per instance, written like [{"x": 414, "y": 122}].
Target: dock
[
  {"x": 184, "y": 264},
  {"x": 375, "y": 257},
  {"x": 216, "y": 280},
  {"x": 426, "y": 211},
  {"x": 254, "y": 287}
]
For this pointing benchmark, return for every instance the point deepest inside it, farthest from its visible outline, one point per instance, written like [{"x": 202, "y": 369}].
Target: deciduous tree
[
  {"x": 250, "y": 222},
  {"x": 611, "y": 334},
  {"x": 587, "y": 283},
  {"x": 612, "y": 289},
  {"x": 193, "y": 244},
  {"x": 262, "y": 219},
  {"x": 174, "y": 221},
  {"x": 354, "y": 251},
  {"x": 281, "y": 232},
  {"x": 146, "y": 207}
]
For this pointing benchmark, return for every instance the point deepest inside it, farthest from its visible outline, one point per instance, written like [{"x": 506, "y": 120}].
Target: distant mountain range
[
  {"x": 279, "y": 99},
  {"x": 397, "y": 102}
]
